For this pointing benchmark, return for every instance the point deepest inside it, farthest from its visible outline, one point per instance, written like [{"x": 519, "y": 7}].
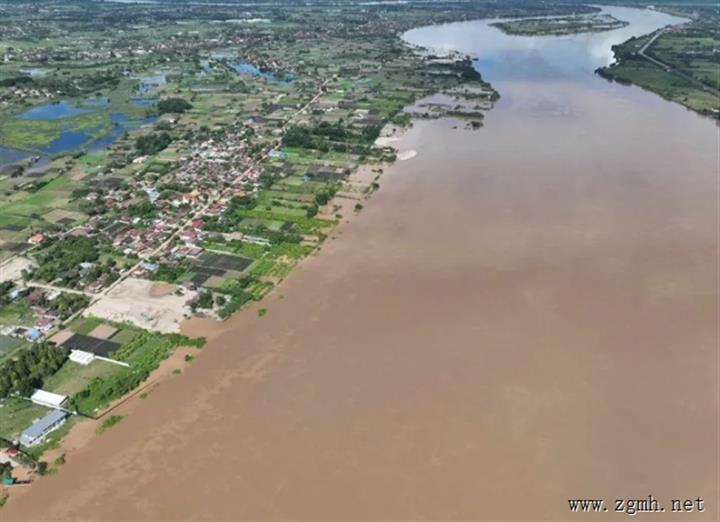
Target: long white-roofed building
[{"x": 48, "y": 399}]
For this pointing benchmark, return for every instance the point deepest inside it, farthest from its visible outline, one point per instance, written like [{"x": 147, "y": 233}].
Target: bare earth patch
[
  {"x": 161, "y": 289},
  {"x": 103, "y": 331},
  {"x": 12, "y": 270},
  {"x": 62, "y": 336},
  {"x": 140, "y": 302}
]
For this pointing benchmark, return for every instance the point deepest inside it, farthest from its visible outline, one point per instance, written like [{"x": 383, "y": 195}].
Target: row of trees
[
  {"x": 28, "y": 371},
  {"x": 331, "y": 136}
]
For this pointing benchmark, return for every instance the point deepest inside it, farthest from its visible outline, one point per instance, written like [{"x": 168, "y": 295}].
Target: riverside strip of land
[{"x": 681, "y": 63}]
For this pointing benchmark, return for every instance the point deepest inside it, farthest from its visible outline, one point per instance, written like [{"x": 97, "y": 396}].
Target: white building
[
  {"x": 48, "y": 399},
  {"x": 81, "y": 357}
]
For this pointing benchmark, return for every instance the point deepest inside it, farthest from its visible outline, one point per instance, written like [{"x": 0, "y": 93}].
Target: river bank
[
  {"x": 82, "y": 432},
  {"x": 523, "y": 311}
]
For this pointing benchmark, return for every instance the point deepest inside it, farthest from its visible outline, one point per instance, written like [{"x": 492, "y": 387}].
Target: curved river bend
[{"x": 522, "y": 315}]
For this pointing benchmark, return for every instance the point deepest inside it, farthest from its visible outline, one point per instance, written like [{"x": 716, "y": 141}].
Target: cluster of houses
[
  {"x": 211, "y": 169},
  {"x": 45, "y": 316},
  {"x": 10, "y": 95}
]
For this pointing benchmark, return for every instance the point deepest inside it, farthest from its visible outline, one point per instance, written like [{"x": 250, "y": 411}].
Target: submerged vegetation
[{"x": 109, "y": 422}]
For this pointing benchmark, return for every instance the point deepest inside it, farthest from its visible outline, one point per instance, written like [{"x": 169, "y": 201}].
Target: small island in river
[{"x": 560, "y": 25}]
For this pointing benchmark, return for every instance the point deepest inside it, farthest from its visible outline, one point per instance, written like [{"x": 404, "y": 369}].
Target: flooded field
[
  {"x": 103, "y": 127},
  {"x": 524, "y": 314}
]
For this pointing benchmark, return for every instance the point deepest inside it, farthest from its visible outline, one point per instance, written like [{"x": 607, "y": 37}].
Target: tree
[
  {"x": 5, "y": 470},
  {"x": 321, "y": 198},
  {"x": 205, "y": 300},
  {"x": 152, "y": 143},
  {"x": 31, "y": 367},
  {"x": 176, "y": 105},
  {"x": 143, "y": 209}
]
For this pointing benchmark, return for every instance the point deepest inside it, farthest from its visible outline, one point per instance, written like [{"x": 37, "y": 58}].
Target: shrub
[
  {"x": 111, "y": 421},
  {"x": 176, "y": 105}
]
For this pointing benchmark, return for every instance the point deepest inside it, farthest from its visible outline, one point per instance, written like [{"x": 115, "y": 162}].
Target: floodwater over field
[
  {"x": 51, "y": 111},
  {"x": 522, "y": 315},
  {"x": 68, "y": 139},
  {"x": 252, "y": 70}
]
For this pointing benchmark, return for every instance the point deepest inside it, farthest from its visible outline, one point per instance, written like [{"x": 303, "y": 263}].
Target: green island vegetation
[
  {"x": 680, "y": 63},
  {"x": 560, "y": 25}
]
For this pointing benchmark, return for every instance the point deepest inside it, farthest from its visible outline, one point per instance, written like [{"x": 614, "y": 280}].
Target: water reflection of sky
[
  {"x": 501, "y": 57},
  {"x": 68, "y": 140},
  {"x": 252, "y": 70},
  {"x": 8, "y": 156},
  {"x": 52, "y": 111},
  {"x": 71, "y": 139}
]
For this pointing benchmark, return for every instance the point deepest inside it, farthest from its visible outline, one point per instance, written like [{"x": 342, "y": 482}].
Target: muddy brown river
[{"x": 522, "y": 315}]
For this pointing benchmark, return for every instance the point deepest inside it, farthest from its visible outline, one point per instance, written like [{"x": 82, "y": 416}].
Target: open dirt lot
[
  {"x": 12, "y": 270},
  {"x": 137, "y": 301}
]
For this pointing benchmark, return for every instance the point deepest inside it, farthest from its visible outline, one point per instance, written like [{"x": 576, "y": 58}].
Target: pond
[
  {"x": 71, "y": 139},
  {"x": 52, "y": 111},
  {"x": 120, "y": 124},
  {"x": 68, "y": 140},
  {"x": 8, "y": 156},
  {"x": 144, "y": 102},
  {"x": 149, "y": 83},
  {"x": 250, "y": 69}
]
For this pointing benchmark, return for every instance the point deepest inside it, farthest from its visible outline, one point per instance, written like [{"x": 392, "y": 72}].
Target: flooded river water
[{"x": 522, "y": 315}]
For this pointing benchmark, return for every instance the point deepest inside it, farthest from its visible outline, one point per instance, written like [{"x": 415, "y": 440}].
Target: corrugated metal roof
[{"x": 40, "y": 426}]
